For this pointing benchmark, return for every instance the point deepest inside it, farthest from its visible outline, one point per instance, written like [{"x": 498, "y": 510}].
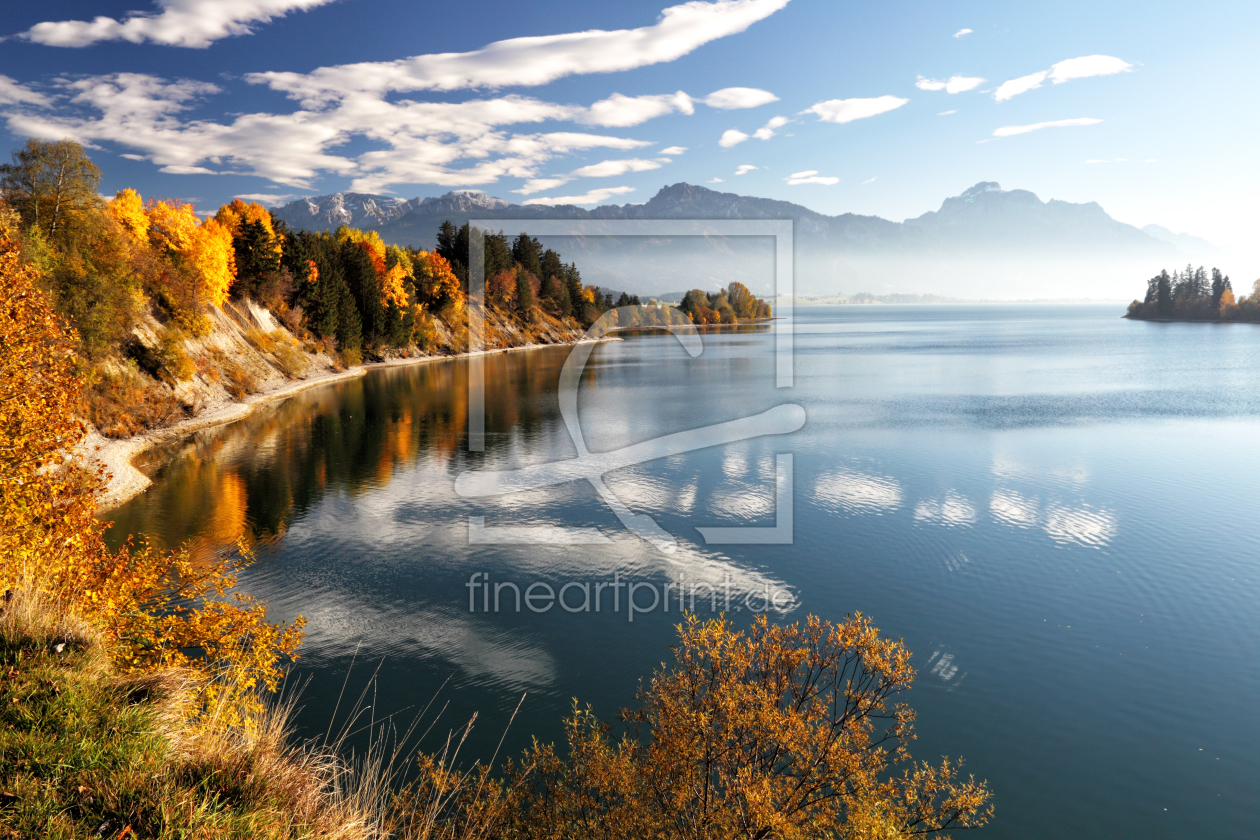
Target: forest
[
  {"x": 144, "y": 284},
  {"x": 1194, "y": 294}
]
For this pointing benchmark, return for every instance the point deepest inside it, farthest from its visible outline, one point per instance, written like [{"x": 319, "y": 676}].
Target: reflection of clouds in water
[
  {"x": 734, "y": 462},
  {"x": 1084, "y": 524},
  {"x": 1013, "y": 509},
  {"x": 1063, "y": 521},
  {"x": 337, "y": 624},
  {"x": 952, "y": 510},
  {"x": 398, "y": 525},
  {"x": 858, "y": 492},
  {"x": 747, "y": 504},
  {"x": 686, "y": 498}
]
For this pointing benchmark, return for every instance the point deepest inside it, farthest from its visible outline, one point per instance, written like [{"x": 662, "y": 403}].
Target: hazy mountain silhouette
[{"x": 986, "y": 242}]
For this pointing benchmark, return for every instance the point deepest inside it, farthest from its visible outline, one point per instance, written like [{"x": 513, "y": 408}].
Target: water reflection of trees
[{"x": 252, "y": 478}]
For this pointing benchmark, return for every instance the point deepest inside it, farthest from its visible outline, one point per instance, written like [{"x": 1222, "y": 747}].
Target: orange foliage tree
[
  {"x": 203, "y": 247},
  {"x": 777, "y": 732},
  {"x": 155, "y": 608},
  {"x": 436, "y": 283},
  {"x": 238, "y": 214}
]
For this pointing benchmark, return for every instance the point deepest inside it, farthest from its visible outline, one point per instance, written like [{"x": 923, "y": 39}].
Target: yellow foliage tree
[
  {"x": 128, "y": 209},
  {"x": 155, "y": 608},
  {"x": 399, "y": 269},
  {"x": 239, "y": 213},
  {"x": 210, "y": 252},
  {"x": 436, "y": 283},
  {"x": 206, "y": 248},
  {"x": 393, "y": 266}
]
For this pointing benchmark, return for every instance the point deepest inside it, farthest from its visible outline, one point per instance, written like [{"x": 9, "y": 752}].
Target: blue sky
[{"x": 207, "y": 99}]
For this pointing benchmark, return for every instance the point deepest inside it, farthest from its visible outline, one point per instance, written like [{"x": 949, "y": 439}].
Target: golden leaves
[
  {"x": 777, "y": 732},
  {"x": 204, "y": 247},
  {"x": 156, "y": 608},
  {"x": 128, "y": 209}
]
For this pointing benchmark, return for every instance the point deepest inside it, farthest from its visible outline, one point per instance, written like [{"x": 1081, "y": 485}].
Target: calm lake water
[{"x": 1056, "y": 509}]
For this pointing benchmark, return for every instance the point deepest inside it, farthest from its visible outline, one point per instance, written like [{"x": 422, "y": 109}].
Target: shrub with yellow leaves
[{"x": 780, "y": 731}]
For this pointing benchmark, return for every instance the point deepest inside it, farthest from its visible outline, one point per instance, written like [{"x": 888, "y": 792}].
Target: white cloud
[
  {"x": 534, "y": 185},
  {"x": 592, "y": 197},
  {"x": 620, "y": 111},
  {"x": 1023, "y": 84},
  {"x": 869, "y": 181},
  {"x": 962, "y": 33},
  {"x": 673, "y": 151},
  {"x": 1012, "y": 130},
  {"x": 1087, "y": 66},
  {"x": 848, "y": 110},
  {"x": 268, "y": 199},
  {"x": 745, "y": 168},
  {"x": 180, "y": 23},
  {"x": 732, "y": 137},
  {"x": 954, "y": 84},
  {"x": 609, "y": 168},
  {"x": 450, "y": 144},
  {"x": 716, "y": 181},
  {"x": 14, "y": 93},
  {"x": 810, "y": 176},
  {"x": 768, "y": 130},
  {"x": 947, "y": 113},
  {"x": 732, "y": 98},
  {"x": 534, "y": 60},
  {"x": 1065, "y": 71}
]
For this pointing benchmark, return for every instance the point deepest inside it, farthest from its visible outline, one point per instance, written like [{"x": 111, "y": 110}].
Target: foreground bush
[{"x": 777, "y": 732}]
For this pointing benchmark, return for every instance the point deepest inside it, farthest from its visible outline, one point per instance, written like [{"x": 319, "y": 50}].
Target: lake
[{"x": 1058, "y": 510}]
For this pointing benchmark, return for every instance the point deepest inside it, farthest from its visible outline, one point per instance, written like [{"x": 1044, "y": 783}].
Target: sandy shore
[{"x": 125, "y": 482}]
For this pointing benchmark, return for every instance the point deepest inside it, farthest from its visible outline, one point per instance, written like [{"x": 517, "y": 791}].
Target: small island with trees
[{"x": 1195, "y": 295}]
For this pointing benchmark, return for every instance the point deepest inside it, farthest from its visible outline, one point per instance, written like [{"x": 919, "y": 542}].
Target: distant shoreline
[{"x": 827, "y": 301}]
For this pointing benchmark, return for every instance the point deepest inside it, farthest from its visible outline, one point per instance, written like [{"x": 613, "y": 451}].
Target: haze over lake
[{"x": 1055, "y": 508}]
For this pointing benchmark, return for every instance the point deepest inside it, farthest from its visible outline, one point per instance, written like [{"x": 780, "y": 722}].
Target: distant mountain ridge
[
  {"x": 985, "y": 242},
  {"x": 984, "y": 215}
]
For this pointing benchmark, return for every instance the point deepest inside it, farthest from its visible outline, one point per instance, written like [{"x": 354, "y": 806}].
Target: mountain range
[{"x": 986, "y": 242}]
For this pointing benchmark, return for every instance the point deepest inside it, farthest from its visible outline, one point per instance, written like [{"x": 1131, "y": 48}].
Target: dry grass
[
  {"x": 240, "y": 382},
  {"x": 127, "y": 403},
  {"x": 86, "y": 752},
  {"x": 290, "y": 358}
]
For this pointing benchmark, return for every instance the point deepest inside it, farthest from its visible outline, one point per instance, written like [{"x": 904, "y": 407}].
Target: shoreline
[{"x": 124, "y": 481}]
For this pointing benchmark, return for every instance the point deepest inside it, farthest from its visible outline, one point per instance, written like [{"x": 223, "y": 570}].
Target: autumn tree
[
  {"x": 203, "y": 249},
  {"x": 742, "y": 301},
  {"x": 257, "y": 247},
  {"x": 501, "y": 288},
  {"x": 50, "y": 183},
  {"x": 155, "y": 608},
  {"x": 437, "y": 286},
  {"x": 782, "y": 732}
]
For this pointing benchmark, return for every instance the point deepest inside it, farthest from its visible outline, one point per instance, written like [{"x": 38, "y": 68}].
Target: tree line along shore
[
  {"x": 175, "y": 313},
  {"x": 1194, "y": 294}
]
